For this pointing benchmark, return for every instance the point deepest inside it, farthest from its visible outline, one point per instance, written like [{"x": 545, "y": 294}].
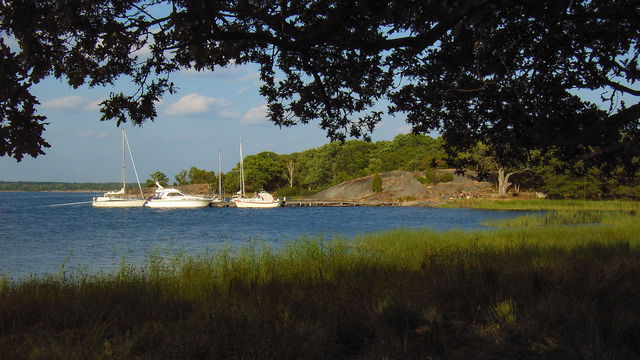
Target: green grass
[
  {"x": 544, "y": 204},
  {"x": 564, "y": 217},
  {"x": 552, "y": 292}
]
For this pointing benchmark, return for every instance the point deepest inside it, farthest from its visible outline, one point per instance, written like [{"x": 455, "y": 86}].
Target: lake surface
[{"x": 38, "y": 238}]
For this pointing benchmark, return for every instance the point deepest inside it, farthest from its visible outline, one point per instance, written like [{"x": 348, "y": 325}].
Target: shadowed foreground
[{"x": 552, "y": 291}]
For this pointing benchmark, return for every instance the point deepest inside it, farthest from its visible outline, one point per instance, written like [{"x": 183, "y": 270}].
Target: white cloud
[
  {"x": 195, "y": 103},
  {"x": 93, "y": 105},
  {"x": 255, "y": 115},
  {"x": 67, "y": 102},
  {"x": 143, "y": 52},
  {"x": 229, "y": 114},
  {"x": 253, "y": 76}
]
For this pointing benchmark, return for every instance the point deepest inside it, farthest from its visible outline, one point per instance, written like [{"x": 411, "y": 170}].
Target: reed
[
  {"x": 552, "y": 291},
  {"x": 544, "y": 204}
]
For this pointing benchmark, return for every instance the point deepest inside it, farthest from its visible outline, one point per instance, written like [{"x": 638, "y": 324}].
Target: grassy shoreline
[
  {"x": 523, "y": 291},
  {"x": 543, "y": 204}
]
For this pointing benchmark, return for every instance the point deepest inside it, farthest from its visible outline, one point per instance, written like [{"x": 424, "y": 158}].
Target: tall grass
[
  {"x": 563, "y": 217},
  {"x": 544, "y": 204},
  {"x": 536, "y": 292}
]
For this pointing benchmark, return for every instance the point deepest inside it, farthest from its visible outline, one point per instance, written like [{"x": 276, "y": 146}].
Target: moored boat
[
  {"x": 114, "y": 199},
  {"x": 173, "y": 198},
  {"x": 119, "y": 199},
  {"x": 260, "y": 200}
]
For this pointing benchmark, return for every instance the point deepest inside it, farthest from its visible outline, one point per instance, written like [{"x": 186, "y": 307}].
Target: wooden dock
[
  {"x": 320, "y": 203},
  {"x": 299, "y": 203}
]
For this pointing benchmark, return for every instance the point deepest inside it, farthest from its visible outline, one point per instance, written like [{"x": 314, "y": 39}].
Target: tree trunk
[
  {"x": 291, "y": 167},
  {"x": 503, "y": 182}
]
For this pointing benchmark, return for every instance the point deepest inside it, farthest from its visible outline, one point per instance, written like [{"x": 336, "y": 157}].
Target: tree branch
[{"x": 622, "y": 88}]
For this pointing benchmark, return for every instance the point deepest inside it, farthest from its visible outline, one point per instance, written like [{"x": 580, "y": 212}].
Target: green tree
[
  {"x": 410, "y": 152},
  {"x": 263, "y": 171},
  {"x": 319, "y": 166},
  {"x": 486, "y": 160},
  {"x": 351, "y": 160},
  {"x": 182, "y": 178},
  {"x": 158, "y": 177},
  {"x": 200, "y": 176},
  {"x": 231, "y": 181}
]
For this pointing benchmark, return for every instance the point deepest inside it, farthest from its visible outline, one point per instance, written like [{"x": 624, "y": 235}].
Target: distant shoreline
[{"x": 53, "y": 191}]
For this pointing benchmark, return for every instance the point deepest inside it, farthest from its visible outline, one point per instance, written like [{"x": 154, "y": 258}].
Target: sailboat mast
[
  {"x": 133, "y": 163},
  {"x": 122, "y": 165},
  {"x": 219, "y": 176},
  {"x": 241, "y": 170}
]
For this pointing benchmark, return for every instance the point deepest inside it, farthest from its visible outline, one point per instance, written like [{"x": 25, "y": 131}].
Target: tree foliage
[
  {"x": 182, "y": 178},
  {"x": 263, "y": 171},
  {"x": 318, "y": 168},
  {"x": 200, "y": 176},
  {"x": 157, "y": 177},
  {"x": 195, "y": 176},
  {"x": 502, "y": 72}
]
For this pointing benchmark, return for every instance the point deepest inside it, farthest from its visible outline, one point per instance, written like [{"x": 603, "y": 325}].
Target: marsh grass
[
  {"x": 551, "y": 292},
  {"x": 563, "y": 217},
  {"x": 544, "y": 204}
]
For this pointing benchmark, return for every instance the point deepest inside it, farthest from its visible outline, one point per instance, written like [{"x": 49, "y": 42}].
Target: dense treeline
[
  {"x": 318, "y": 168},
  {"x": 315, "y": 169}
]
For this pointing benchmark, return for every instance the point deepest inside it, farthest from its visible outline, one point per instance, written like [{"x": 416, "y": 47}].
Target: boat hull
[
  {"x": 177, "y": 204},
  {"x": 102, "y": 202},
  {"x": 257, "y": 204}
]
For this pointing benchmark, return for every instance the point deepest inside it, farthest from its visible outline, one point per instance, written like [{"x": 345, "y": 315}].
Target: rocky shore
[{"x": 402, "y": 188}]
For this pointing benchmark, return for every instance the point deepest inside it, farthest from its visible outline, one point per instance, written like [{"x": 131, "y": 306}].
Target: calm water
[{"x": 37, "y": 238}]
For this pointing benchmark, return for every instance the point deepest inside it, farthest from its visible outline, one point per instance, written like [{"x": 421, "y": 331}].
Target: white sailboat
[
  {"x": 113, "y": 199},
  {"x": 260, "y": 200}
]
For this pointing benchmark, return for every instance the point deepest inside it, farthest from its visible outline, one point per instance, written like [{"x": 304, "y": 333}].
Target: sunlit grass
[
  {"x": 544, "y": 204},
  {"x": 564, "y": 217},
  {"x": 526, "y": 291}
]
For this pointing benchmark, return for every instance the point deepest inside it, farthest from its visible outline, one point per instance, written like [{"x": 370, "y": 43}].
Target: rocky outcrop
[
  {"x": 395, "y": 185},
  {"x": 403, "y": 186}
]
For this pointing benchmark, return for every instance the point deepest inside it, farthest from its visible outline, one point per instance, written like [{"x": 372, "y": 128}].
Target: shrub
[
  {"x": 446, "y": 177},
  {"x": 430, "y": 176},
  {"x": 376, "y": 185}
]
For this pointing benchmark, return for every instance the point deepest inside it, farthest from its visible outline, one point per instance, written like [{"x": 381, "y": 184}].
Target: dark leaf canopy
[{"x": 503, "y": 72}]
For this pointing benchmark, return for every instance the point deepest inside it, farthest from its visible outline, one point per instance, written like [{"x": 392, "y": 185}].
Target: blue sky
[{"x": 210, "y": 111}]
